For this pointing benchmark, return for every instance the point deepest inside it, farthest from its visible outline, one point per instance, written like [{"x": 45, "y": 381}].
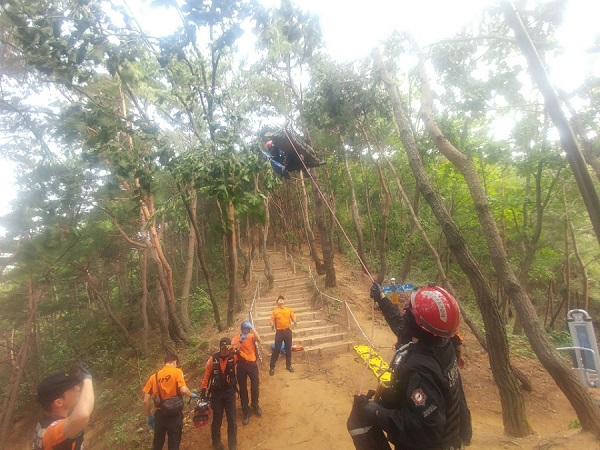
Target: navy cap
[{"x": 54, "y": 386}]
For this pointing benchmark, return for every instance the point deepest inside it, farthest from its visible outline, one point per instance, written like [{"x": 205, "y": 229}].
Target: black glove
[
  {"x": 367, "y": 410},
  {"x": 203, "y": 394},
  {"x": 81, "y": 371},
  {"x": 375, "y": 293}
]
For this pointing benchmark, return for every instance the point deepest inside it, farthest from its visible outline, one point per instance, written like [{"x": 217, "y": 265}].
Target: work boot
[
  {"x": 246, "y": 418},
  {"x": 271, "y": 371},
  {"x": 218, "y": 446},
  {"x": 290, "y": 369},
  {"x": 257, "y": 411}
]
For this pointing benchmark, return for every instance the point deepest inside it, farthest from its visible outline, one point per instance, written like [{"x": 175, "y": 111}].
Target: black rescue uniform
[
  {"x": 422, "y": 408},
  {"x": 220, "y": 380}
]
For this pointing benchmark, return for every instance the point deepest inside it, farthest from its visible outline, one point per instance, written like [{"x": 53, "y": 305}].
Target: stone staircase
[{"x": 316, "y": 335}]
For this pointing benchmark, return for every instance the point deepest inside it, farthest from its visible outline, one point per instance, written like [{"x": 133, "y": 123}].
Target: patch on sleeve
[{"x": 418, "y": 397}]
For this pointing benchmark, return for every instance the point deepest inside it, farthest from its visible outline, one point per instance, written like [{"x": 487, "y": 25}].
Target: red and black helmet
[
  {"x": 435, "y": 311},
  {"x": 202, "y": 413}
]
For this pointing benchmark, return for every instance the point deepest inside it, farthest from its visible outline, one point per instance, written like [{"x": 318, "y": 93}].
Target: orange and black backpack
[{"x": 222, "y": 383}]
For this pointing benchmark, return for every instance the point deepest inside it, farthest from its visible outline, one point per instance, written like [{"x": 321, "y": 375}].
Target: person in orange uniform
[
  {"x": 220, "y": 383},
  {"x": 245, "y": 346},
  {"x": 169, "y": 380},
  {"x": 67, "y": 401},
  {"x": 282, "y": 318}
]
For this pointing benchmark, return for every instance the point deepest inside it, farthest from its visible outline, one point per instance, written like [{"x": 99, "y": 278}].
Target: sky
[{"x": 352, "y": 28}]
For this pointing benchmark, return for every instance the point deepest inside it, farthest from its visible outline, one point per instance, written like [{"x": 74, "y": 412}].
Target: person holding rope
[
  {"x": 281, "y": 321},
  {"x": 245, "y": 347},
  {"x": 395, "y": 319},
  {"x": 423, "y": 407}
]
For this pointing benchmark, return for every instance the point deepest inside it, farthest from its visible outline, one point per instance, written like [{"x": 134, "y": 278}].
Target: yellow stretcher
[{"x": 379, "y": 367}]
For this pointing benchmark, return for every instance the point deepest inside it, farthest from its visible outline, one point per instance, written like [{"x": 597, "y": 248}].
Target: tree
[{"x": 513, "y": 408}]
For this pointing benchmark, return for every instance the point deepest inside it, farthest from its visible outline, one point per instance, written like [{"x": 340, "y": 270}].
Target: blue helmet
[{"x": 246, "y": 325}]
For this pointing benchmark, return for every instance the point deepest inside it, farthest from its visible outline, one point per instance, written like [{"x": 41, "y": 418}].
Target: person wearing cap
[
  {"x": 67, "y": 401},
  {"x": 220, "y": 384},
  {"x": 282, "y": 318},
  {"x": 423, "y": 405},
  {"x": 165, "y": 384},
  {"x": 245, "y": 346}
]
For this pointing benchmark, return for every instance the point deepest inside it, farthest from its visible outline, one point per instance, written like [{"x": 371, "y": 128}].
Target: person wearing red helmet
[{"x": 424, "y": 406}]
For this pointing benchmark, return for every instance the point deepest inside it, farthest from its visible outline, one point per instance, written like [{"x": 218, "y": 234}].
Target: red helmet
[
  {"x": 269, "y": 144},
  {"x": 202, "y": 413},
  {"x": 436, "y": 311}
]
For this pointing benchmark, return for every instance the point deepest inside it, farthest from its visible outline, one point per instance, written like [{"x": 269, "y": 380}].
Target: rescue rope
[{"x": 362, "y": 263}]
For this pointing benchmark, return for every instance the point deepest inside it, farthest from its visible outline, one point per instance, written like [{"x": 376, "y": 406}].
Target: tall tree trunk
[
  {"x": 263, "y": 243},
  {"x": 566, "y": 379},
  {"x": 245, "y": 258},
  {"x": 163, "y": 319},
  {"x": 354, "y": 206},
  {"x": 443, "y": 277},
  {"x": 587, "y": 147},
  {"x": 567, "y": 137},
  {"x": 16, "y": 375},
  {"x": 386, "y": 204},
  {"x": 144, "y": 284},
  {"x": 189, "y": 272},
  {"x": 513, "y": 408},
  {"x": 326, "y": 245},
  {"x": 368, "y": 203},
  {"x": 584, "y": 275},
  {"x": 165, "y": 277},
  {"x": 200, "y": 252},
  {"x": 310, "y": 237},
  {"x": 232, "y": 263}
]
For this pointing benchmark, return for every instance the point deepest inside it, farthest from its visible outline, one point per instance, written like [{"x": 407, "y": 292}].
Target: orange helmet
[{"x": 435, "y": 311}]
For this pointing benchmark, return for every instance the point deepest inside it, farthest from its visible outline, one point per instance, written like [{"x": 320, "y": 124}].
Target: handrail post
[{"x": 347, "y": 316}]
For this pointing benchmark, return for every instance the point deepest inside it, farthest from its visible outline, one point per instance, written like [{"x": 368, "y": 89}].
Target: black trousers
[
  {"x": 220, "y": 404},
  {"x": 171, "y": 426},
  {"x": 282, "y": 336},
  {"x": 247, "y": 370}
]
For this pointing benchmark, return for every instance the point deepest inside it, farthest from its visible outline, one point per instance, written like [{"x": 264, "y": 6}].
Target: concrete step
[
  {"x": 309, "y": 324},
  {"x": 269, "y": 336},
  {"x": 296, "y": 290},
  {"x": 266, "y": 307},
  {"x": 318, "y": 339},
  {"x": 301, "y": 317},
  {"x": 296, "y": 301},
  {"x": 287, "y": 285},
  {"x": 327, "y": 349}
]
